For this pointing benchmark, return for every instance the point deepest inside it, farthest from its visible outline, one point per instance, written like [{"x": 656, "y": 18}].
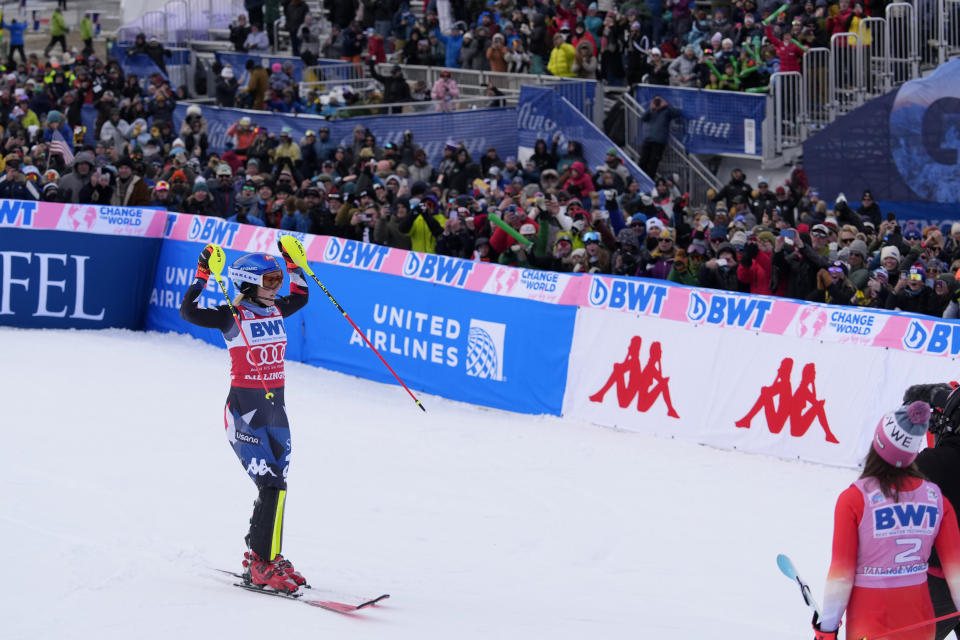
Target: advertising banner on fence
[
  {"x": 477, "y": 129},
  {"x": 542, "y": 113},
  {"x": 713, "y": 121},
  {"x": 59, "y": 264},
  {"x": 779, "y": 395},
  {"x": 505, "y": 351},
  {"x": 902, "y": 146},
  {"x": 238, "y": 62},
  {"x": 60, "y": 279}
]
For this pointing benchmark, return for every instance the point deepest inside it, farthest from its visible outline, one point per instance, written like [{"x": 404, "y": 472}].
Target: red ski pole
[{"x": 296, "y": 252}]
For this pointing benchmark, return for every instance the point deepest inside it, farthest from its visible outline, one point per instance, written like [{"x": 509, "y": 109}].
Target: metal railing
[
  {"x": 180, "y": 21},
  {"x": 428, "y": 106},
  {"x": 789, "y": 106},
  {"x": 903, "y": 42},
  {"x": 846, "y": 73},
  {"x": 875, "y": 56},
  {"x": 819, "y": 97},
  {"x": 692, "y": 172}
]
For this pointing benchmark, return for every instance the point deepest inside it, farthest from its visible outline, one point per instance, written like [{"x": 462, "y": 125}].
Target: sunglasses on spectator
[
  {"x": 819, "y": 234},
  {"x": 249, "y": 188},
  {"x": 666, "y": 239},
  {"x": 846, "y": 240},
  {"x": 835, "y": 270},
  {"x": 716, "y": 240}
]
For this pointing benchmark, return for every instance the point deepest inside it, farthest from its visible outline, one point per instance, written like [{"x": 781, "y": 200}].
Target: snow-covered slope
[{"x": 119, "y": 492}]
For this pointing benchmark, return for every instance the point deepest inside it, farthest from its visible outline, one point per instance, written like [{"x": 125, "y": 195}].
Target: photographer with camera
[
  {"x": 939, "y": 464},
  {"x": 656, "y": 121}
]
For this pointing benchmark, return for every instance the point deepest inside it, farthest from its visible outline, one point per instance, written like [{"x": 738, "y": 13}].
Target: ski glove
[
  {"x": 291, "y": 265},
  {"x": 819, "y": 634},
  {"x": 203, "y": 263}
]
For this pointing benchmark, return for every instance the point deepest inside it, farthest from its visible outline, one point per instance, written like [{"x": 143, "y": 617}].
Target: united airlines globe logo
[{"x": 484, "y": 349}]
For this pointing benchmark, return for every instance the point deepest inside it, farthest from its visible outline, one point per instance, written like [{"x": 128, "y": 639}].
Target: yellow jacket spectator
[{"x": 562, "y": 57}]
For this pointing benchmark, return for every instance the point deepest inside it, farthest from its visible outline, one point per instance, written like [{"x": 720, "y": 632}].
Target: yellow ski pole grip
[
  {"x": 297, "y": 253},
  {"x": 216, "y": 261}
]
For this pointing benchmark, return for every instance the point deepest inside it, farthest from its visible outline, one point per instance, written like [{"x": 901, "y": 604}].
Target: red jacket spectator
[
  {"x": 580, "y": 179},
  {"x": 789, "y": 53},
  {"x": 500, "y": 240}
]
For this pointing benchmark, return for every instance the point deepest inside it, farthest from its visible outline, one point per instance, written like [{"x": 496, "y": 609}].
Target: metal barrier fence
[
  {"x": 181, "y": 21},
  {"x": 816, "y": 79},
  {"x": 846, "y": 73},
  {"x": 929, "y": 19},
  {"x": 875, "y": 56},
  {"x": 950, "y": 36},
  {"x": 787, "y": 91},
  {"x": 429, "y": 106},
  {"x": 693, "y": 175},
  {"x": 902, "y": 38}
]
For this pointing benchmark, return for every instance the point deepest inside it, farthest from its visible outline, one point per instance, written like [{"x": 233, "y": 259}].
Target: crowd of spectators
[
  {"x": 735, "y": 47},
  {"x": 557, "y": 212}
]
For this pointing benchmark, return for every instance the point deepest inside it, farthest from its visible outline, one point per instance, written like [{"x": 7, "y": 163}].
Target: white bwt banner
[{"x": 737, "y": 388}]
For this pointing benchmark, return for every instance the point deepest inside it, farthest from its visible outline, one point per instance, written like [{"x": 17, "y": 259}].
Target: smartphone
[
  {"x": 453, "y": 214},
  {"x": 722, "y": 262},
  {"x": 788, "y": 234},
  {"x": 891, "y": 216}
]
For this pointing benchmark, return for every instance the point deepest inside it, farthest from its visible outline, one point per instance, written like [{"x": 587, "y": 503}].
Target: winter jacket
[
  {"x": 561, "y": 61},
  {"x": 657, "y": 123},
  {"x": 452, "y": 46},
  {"x": 683, "y": 67},
  {"x": 133, "y": 193},
  {"x": 581, "y": 182},
  {"x": 58, "y": 27},
  {"x": 756, "y": 272},
  {"x": 423, "y": 230},
  {"x": 444, "y": 91},
  {"x": 16, "y": 30}
]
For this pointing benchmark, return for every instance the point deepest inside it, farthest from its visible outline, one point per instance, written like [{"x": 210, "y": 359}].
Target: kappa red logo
[
  {"x": 633, "y": 379},
  {"x": 781, "y": 404}
]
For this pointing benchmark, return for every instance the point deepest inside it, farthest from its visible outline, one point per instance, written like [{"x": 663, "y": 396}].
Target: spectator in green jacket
[
  {"x": 58, "y": 32},
  {"x": 86, "y": 34}
]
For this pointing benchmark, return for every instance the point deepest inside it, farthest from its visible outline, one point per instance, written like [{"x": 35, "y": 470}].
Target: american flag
[{"x": 59, "y": 145}]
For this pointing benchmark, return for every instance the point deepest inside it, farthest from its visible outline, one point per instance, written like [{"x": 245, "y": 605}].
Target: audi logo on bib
[{"x": 267, "y": 354}]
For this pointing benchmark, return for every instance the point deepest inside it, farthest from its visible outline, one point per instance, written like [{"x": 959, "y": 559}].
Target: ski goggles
[
  {"x": 272, "y": 280},
  {"x": 591, "y": 236}
]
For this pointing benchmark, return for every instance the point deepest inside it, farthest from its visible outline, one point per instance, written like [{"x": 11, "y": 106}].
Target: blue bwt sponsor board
[
  {"x": 58, "y": 279},
  {"x": 494, "y": 351},
  {"x": 714, "y": 121}
]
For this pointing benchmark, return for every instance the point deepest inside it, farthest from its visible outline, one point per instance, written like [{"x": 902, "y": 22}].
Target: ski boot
[{"x": 269, "y": 574}]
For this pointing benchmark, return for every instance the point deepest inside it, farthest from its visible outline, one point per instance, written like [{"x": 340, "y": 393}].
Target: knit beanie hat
[{"x": 900, "y": 434}]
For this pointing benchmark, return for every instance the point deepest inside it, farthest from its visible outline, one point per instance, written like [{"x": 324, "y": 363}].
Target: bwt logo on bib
[
  {"x": 631, "y": 295},
  {"x": 941, "y": 338},
  {"x": 910, "y": 515},
  {"x": 214, "y": 230},
  {"x": 436, "y": 268},
  {"x": 728, "y": 311},
  {"x": 355, "y": 254},
  {"x": 485, "y": 349},
  {"x": 266, "y": 328}
]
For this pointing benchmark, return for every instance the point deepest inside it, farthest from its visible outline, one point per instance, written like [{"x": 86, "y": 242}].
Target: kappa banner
[{"x": 791, "y": 398}]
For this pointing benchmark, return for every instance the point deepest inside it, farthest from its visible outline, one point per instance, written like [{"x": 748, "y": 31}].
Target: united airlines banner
[
  {"x": 542, "y": 113},
  {"x": 497, "y": 351},
  {"x": 714, "y": 122},
  {"x": 477, "y": 129},
  {"x": 902, "y": 146}
]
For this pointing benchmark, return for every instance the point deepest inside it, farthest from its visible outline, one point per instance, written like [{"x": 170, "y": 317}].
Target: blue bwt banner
[
  {"x": 541, "y": 113},
  {"x": 238, "y": 62},
  {"x": 60, "y": 279},
  {"x": 715, "y": 122},
  {"x": 495, "y": 351},
  {"x": 478, "y": 129}
]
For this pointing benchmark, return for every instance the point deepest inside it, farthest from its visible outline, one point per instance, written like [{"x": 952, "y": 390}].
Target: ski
[
  {"x": 787, "y": 568},
  {"x": 329, "y": 605}
]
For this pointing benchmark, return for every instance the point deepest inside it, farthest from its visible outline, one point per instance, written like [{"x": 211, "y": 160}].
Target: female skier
[
  {"x": 256, "y": 424},
  {"x": 885, "y": 526}
]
